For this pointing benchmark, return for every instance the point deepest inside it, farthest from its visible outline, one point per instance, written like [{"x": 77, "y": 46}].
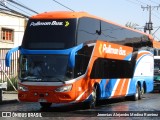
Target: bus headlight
[
  {"x": 22, "y": 88},
  {"x": 64, "y": 88}
]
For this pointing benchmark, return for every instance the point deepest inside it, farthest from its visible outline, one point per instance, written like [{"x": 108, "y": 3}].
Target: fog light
[
  {"x": 35, "y": 94},
  {"x": 46, "y": 94}
]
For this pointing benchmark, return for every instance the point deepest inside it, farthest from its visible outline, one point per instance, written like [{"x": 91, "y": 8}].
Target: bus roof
[
  {"x": 69, "y": 14},
  {"x": 61, "y": 15},
  {"x": 156, "y": 44}
]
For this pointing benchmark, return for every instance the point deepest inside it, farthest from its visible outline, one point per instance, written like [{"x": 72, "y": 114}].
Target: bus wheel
[
  {"x": 92, "y": 103},
  {"x": 137, "y": 95},
  {"x": 141, "y": 93},
  {"x": 45, "y": 105}
]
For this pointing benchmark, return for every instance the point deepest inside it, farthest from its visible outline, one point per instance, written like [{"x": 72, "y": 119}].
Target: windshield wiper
[
  {"x": 31, "y": 78},
  {"x": 57, "y": 78},
  {"x": 60, "y": 80}
]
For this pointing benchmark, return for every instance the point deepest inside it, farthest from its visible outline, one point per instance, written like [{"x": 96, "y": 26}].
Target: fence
[{"x": 13, "y": 69}]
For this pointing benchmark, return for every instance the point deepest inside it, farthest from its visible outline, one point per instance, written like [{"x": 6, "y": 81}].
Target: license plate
[{"x": 42, "y": 100}]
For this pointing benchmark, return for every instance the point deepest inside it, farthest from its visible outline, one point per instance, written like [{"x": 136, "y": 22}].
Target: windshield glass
[
  {"x": 44, "y": 68},
  {"x": 50, "y": 34}
]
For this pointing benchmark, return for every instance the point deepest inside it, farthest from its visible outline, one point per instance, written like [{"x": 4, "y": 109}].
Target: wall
[{"x": 17, "y": 24}]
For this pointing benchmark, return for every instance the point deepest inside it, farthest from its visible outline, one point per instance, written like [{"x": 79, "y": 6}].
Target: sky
[{"x": 118, "y": 11}]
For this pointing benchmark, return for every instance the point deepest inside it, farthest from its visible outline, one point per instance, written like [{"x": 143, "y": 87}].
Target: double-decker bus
[{"x": 81, "y": 58}]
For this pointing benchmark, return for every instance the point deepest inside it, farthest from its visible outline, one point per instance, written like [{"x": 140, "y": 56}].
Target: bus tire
[
  {"x": 45, "y": 105},
  {"x": 141, "y": 93},
  {"x": 137, "y": 95},
  {"x": 92, "y": 103}
]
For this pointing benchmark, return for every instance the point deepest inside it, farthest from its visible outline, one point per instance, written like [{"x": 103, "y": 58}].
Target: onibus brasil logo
[{"x": 108, "y": 49}]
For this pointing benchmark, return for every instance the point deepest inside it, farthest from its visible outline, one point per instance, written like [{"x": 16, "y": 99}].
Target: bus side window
[
  {"x": 82, "y": 60},
  {"x": 111, "y": 68},
  {"x": 81, "y": 64},
  {"x": 99, "y": 69}
]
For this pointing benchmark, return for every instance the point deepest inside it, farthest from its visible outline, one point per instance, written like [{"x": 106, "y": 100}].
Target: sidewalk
[{"x": 9, "y": 97}]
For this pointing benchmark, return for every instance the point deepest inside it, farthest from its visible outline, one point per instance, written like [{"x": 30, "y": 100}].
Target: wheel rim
[
  {"x": 137, "y": 94},
  {"x": 94, "y": 97},
  {"x": 142, "y": 91}
]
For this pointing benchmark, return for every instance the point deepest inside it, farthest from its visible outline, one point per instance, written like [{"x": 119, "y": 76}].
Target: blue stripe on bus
[
  {"x": 8, "y": 56},
  {"x": 147, "y": 79},
  {"x": 26, "y": 51},
  {"x": 72, "y": 55},
  {"x": 106, "y": 87},
  {"x": 71, "y": 52},
  {"x": 66, "y": 51},
  {"x": 128, "y": 57}
]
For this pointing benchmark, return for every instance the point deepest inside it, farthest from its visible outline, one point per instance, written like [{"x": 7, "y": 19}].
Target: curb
[
  {"x": 9, "y": 101},
  {"x": 10, "y": 92},
  {"x": 9, "y": 97}
]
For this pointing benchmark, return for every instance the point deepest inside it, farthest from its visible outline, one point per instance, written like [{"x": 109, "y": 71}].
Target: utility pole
[{"x": 149, "y": 25}]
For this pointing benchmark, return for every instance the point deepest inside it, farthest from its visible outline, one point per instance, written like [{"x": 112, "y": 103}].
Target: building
[{"x": 12, "y": 28}]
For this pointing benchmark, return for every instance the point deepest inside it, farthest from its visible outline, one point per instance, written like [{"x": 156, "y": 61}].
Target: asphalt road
[{"x": 148, "y": 107}]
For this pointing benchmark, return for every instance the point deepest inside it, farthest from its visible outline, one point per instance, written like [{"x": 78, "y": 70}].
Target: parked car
[
  {"x": 157, "y": 83},
  {"x": 157, "y": 73}
]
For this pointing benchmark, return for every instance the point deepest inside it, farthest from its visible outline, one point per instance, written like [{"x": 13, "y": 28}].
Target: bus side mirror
[
  {"x": 9, "y": 54},
  {"x": 72, "y": 55}
]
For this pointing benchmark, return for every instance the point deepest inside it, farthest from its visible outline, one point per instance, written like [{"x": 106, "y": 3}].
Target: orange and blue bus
[{"x": 82, "y": 58}]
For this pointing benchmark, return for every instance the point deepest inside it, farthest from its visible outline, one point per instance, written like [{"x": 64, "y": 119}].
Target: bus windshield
[
  {"x": 50, "y": 34},
  {"x": 50, "y": 68}
]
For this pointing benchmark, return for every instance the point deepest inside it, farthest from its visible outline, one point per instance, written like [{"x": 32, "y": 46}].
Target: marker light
[{"x": 64, "y": 88}]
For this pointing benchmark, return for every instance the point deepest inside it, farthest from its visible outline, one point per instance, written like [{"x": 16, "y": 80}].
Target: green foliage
[{"x": 14, "y": 81}]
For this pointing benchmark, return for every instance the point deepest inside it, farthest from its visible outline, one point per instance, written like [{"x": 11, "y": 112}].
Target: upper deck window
[
  {"x": 90, "y": 29},
  {"x": 50, "y": 34}
]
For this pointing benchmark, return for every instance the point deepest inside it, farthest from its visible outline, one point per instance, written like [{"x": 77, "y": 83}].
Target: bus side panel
[
  {"x": 121, "y": 88},
  {"x": 143, "y": 72},
  {"x": 106, "y": 88},
  {"x": 111, "y": 88},
  {"x": 82, "y": 89}
]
